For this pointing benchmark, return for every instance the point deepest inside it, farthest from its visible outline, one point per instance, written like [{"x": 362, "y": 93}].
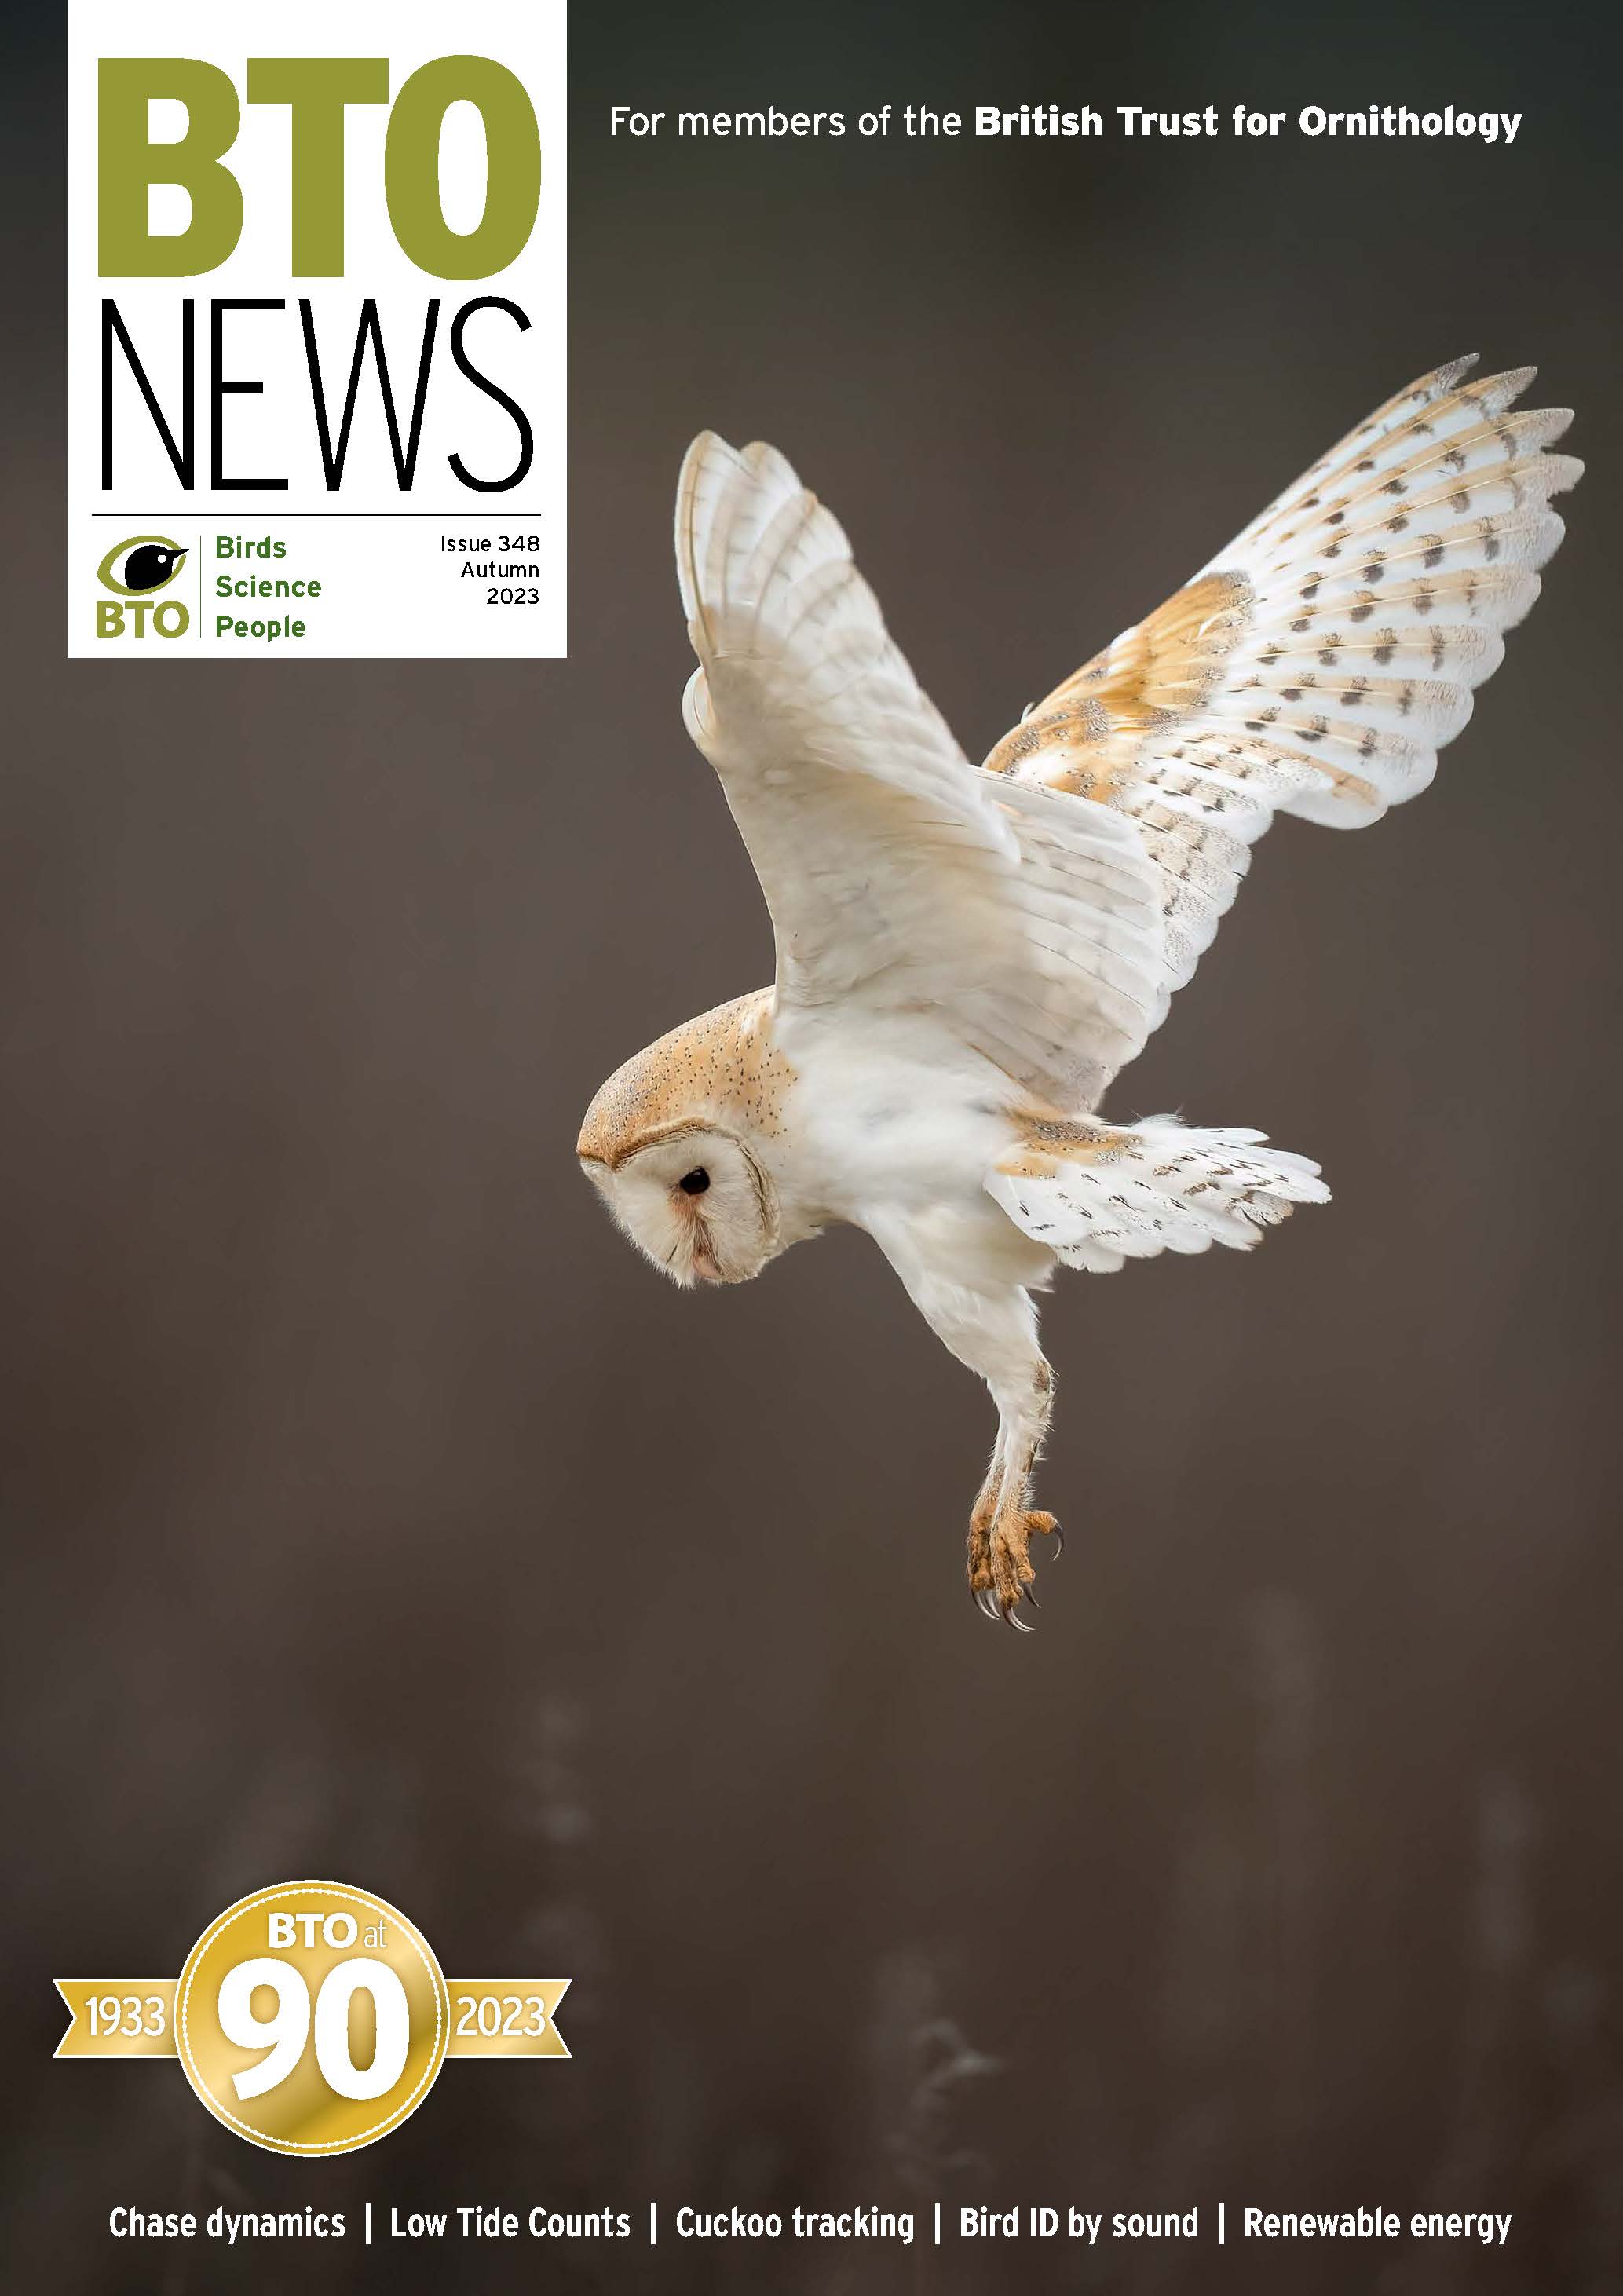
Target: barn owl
[{"x": 967, "y": 955}]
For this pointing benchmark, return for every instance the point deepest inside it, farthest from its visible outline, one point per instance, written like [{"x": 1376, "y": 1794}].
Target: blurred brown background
[{"x": 373, "y": 1510}]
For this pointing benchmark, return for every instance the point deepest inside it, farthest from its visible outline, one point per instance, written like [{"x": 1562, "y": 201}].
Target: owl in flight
[{"x": 967, "y": 955}]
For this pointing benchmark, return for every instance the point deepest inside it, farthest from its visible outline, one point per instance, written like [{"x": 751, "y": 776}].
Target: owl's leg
[
  {"x": 993, "y": 1330},
  {"x": 1003, "y": 1526}
]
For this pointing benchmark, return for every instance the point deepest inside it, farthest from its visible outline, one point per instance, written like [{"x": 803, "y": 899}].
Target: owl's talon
[
  {"x": 1000, "y": 1570},
  {"x": 1058, "y": 1536}
]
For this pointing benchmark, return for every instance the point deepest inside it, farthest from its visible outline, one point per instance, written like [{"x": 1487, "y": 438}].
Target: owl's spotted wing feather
[
  {"x": 895, "y": 872},
  {"x": 1319, "y": 663}
]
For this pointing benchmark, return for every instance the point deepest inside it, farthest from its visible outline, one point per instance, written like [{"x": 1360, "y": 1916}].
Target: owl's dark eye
[{"x": 695, "y": 1184}]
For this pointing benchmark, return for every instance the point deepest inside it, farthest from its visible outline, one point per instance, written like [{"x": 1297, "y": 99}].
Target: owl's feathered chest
[{"x": 888, "y": 1116}]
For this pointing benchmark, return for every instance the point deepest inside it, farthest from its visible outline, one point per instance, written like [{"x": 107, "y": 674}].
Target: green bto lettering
[
  {"x": 411, "y": 168},
  {"x": 127, "y": 164},
  {"x": 317, "y": 89}
]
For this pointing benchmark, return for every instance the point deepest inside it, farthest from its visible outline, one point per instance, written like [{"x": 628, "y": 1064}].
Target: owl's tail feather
[{"x": 1097, "y": 1194}]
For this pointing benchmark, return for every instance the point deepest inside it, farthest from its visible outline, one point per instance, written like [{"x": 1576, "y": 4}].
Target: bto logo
[{"x": 137, "y": 571}]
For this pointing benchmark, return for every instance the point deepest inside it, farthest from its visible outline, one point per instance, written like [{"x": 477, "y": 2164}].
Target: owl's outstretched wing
[
  {"x": 1317, "y": 665},
  {"x": 895, "y": 872}
]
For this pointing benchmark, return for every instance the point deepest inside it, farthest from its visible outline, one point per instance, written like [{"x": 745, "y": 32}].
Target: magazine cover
[{"x": 808, "y": 1020}]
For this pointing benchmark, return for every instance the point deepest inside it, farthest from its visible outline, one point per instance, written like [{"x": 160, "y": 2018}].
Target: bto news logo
[
  {"x": 326, "y": 283},
  {"x": 137, "y": 571}
]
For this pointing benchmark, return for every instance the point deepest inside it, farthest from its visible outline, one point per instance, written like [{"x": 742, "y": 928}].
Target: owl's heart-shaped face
[{"x": 696, "y": 1201}]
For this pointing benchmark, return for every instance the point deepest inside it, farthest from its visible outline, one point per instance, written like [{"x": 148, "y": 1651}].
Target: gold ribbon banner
[
  {"x": 489, "y": 2016},
  {"x": 506, "y": 2016},
  {"x": 118, "y": 2016}
]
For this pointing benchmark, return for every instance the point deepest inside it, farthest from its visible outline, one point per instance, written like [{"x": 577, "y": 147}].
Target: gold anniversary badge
[{"x": 312, "y": 2018}]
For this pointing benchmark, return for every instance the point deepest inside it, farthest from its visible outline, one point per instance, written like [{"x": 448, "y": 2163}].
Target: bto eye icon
[{"x": 143, "y": 563}]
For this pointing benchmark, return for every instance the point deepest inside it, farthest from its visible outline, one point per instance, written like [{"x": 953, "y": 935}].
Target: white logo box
[{"x": 464, "y": 555}]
